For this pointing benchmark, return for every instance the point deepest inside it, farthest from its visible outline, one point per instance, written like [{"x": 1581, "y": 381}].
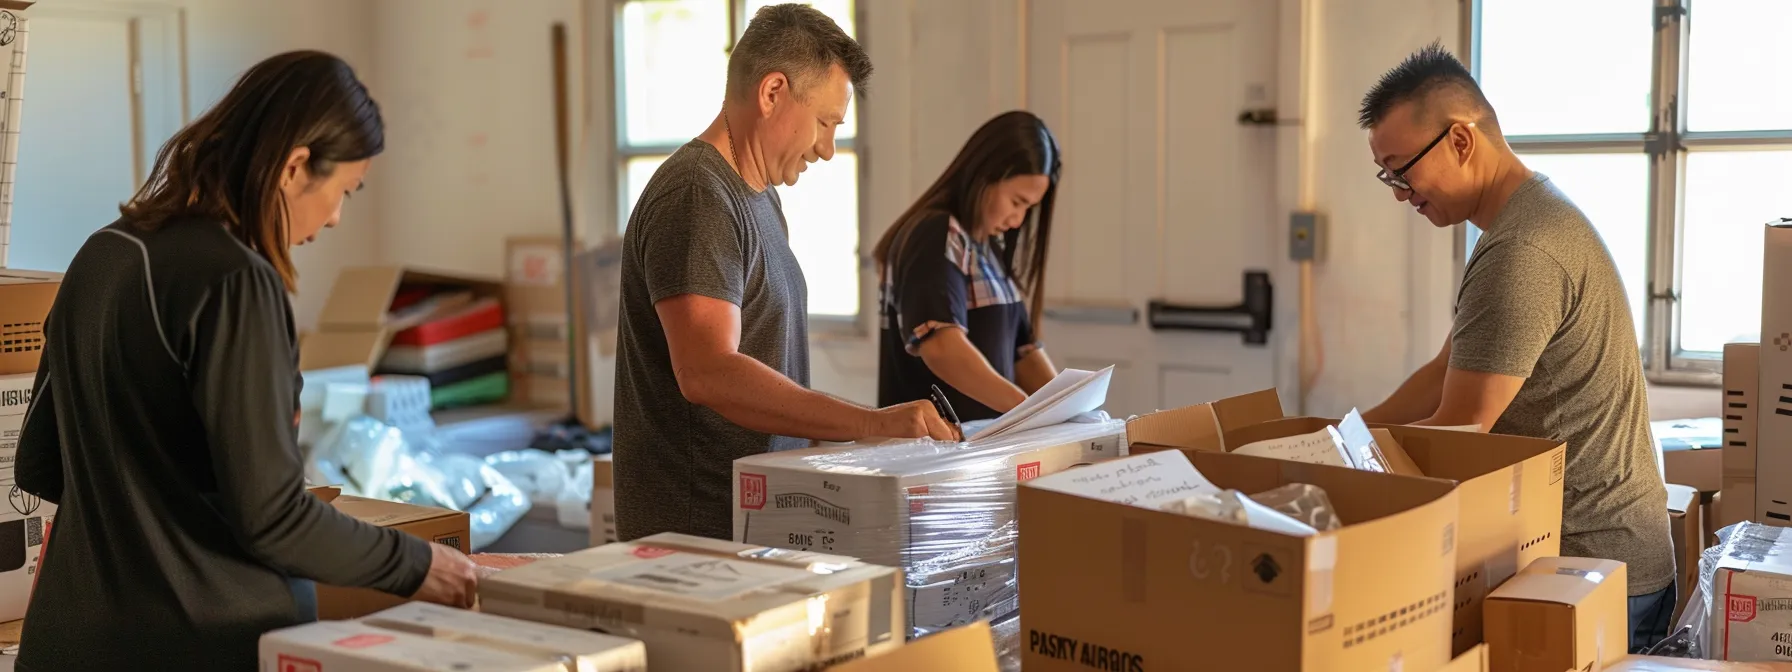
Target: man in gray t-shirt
[
  {"x": 713, "y": 351},
  {"x": 1544, "y": 344}
]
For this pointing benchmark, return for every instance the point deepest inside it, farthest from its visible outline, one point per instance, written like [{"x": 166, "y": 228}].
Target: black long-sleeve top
[{"x": 161, "y": 426}]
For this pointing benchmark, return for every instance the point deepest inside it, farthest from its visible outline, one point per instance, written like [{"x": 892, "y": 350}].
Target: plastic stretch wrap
[
  {"x": 943, "y": 512},
  {"x": 1751, "y": 570},
  {"x": 371, "y": 459}
]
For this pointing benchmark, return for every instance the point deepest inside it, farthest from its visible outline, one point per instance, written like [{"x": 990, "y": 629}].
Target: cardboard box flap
[
  {"x": 387, "y": 514},
  {"x": 967, "y": 648},
  {"x": 327, "y": 493},
  {"x": 17, "y": 276},
  {"x": 1394, "y": 455},
  {"x": 331, "y": 349},
  {"x": 1357, "y": 496},
  {"x": 1200, "y": 427},
  {"x": 1438, "y": 453},
  {"x": 1565, "y": 581},
  {"x": 360, "y": 298},
  {"x": 1681, "y": 498}
]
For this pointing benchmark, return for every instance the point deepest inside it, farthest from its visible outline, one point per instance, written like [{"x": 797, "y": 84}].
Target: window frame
[
  {"x": 1667, "y": 144},
  {"x": 622, "y": 150}
]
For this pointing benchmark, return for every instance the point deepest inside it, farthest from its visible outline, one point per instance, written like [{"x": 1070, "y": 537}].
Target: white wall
[{"x": 226, "y": 37}]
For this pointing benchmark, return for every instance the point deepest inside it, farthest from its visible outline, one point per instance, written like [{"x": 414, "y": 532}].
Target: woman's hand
[{"x": 453, "y": 579}]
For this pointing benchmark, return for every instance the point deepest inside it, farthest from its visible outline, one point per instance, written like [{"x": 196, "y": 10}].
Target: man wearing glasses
[{"x": 1543, "y": 343}]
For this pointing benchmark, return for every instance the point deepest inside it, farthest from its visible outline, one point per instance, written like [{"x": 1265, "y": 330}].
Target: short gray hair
[{"x": 799, "y": 41}]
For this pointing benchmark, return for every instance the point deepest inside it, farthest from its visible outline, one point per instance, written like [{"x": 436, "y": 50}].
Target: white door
[{"x": 1165, "y": 195}]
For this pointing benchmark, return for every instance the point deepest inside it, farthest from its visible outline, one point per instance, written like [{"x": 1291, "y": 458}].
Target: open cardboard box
[
  {"x": 1124, "y": 587},
  {"x": 440, "y": 526},
  {"x": 1510, "y": 487},
  {"x": 357, "y": 322}
]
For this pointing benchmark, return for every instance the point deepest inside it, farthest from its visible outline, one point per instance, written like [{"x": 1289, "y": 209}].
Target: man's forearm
[
  {"x": 753, "y": 395},
  {"x": 1414, "y": 401}
]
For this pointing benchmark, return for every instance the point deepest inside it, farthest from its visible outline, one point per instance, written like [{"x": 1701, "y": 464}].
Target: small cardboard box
[
  {"x": 1741, "y": 383},
  {"x": 357, "y": 322},
  {"x": 603, "y": 500},
  {"x": 419, "y": 636},
  {"x": 27, "y": 518},
  {"x": 1511, "y": 487},
  {"x": 1688, "y": 521},
  {"x": 450, "y": 528},
  {"x": 25, "y": 299},
  {"x": 703, "y": 604},
  {"x": 1699, "y": 468},
  {"x": 1119, "y": 586},
  {"x": 967, "y": 648},
  {"x": 1473, "y": 660},
  {"x": 1751, "y": 601},
  {"x": 1559, "y": 614}
]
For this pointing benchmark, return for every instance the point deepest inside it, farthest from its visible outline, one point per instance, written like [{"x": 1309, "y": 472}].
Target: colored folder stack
[{"x": 462, "y": 351}]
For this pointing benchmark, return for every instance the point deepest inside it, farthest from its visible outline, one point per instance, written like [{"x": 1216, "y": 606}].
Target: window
[
  {"x": 672, "y": 64},
  {"x": 1670, "y": 123}
]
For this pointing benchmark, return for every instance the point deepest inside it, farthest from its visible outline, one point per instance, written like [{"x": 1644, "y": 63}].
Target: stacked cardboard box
[
  {"x": 391, "y": 319},
  {"x": 1510, "y": 487},
  {"x": 535, "y": 286},
  {"x": 702, "y": 604},
  {"x": 1773, "y": 432},
  {"x": 428, "y": 637},
  {"x": 25, "y": 300},
  {"x": 1741, "y": 390},
  {"x": 944, "y": 513},
  {"x": 1559, "y": 614}
]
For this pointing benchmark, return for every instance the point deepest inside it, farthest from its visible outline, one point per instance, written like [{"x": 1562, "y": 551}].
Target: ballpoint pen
[{"x": 945, "y": 410}]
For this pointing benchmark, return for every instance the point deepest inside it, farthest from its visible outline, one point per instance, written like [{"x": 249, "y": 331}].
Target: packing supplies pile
[
  {"x": 462, "y": 348},
  {"x": 1130, "y": 585},
  {"x": 942, "y": 512},
  {"x": 419, "y": 636},
  {"x": 703, "y": 604}
]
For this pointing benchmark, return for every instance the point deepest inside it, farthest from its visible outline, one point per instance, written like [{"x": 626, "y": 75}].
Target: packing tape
[
  {"x": 1322, "y": 560},
  {"x": 1517, "y": 492},
  {"x": 1132, "y": 559}
]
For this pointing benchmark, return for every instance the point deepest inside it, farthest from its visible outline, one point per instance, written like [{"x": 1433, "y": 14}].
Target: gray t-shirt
[
  {"x": 1542, "y": 300},
  {"x": 698, "y": 229}
]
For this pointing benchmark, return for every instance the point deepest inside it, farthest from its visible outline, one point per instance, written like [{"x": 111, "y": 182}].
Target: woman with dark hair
[
  {"x": 162, "y": 417},
  {"x": 963, "y": 275}
]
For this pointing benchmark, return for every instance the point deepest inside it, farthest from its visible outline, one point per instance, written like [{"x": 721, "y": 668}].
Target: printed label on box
[
  {"x": 1741, "y": 608},
  {"x": 1026, "y": 472},
  {"x": 699, "y": 577},
  {"x": 296, "y": 664},
  {"x": 752, "y": 491},
  {"x": 363, "y": 641}
]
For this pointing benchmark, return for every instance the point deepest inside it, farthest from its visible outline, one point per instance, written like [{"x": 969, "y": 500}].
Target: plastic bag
[
  {"x": 1296, "y": 509},
  {"x": 539, "y": 474}
]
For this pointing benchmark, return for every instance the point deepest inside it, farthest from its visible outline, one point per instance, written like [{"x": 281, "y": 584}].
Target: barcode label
[
  {"x": 34, "y": 532},
  {"x": 449, "y": 541}
]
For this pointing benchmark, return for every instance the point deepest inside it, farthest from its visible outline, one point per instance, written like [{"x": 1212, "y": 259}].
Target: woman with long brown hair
[
  {"x": 162, "y": 418},
  {"x": 963, "y": 275}
]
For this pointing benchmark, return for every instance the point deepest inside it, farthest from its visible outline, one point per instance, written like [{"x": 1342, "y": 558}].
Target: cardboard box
[
  {"x": 1511, "y": 487},
  {"x": 702, "y": 604},
  {"x": 941, "y": 512},
  {"x": 25, "y": 299},
  {"x": 357, "y": 323},
  {"x": 603, "y": 500},
  {"x": 1751, "y": 614},
  {"x": 1773, "y": 395},
  {"x": 967, "y": 648},
  {"x": 1660, "y": 664},
  {"x": 429, "y": 637},
  {"x": 1700, "y": 468},
  {"x": 1688, "y": 520},
  {"x": 1559, "y": 614},
  {"x": 1736, "y": 503},
  {"x": 1473, "y": 660},
  {"x": 440, "y": 526},
  {"x": 1741, "y": 384},
  {"x": 1127, "y": 587},
  {"x": 26, "y": 519}
]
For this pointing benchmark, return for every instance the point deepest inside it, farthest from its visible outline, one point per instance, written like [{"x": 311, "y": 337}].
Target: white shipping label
[
  {"x": 956, "y": 599},
  {"x": 699, "y": 577}
]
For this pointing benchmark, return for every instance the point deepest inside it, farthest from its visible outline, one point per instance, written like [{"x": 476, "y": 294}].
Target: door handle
[{"x": 1250, "y": 318}]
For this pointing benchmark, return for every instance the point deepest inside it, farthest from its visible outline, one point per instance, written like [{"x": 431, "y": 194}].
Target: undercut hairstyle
[
  {"x": 1434, "y": 79},
  {"x": 799, "y": 41}
]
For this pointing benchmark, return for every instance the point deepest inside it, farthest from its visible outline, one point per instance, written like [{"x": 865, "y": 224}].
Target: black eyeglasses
[{"x": 1396, "y": 178}]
